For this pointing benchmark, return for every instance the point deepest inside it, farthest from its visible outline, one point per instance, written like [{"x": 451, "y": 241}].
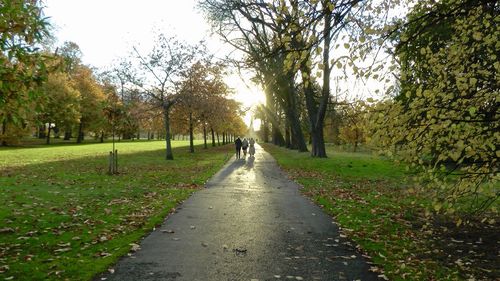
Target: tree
[
  {"x": 59, "y": 102},
  {"x": 251, "y": 28},
  {"x": 353, "y": 118},
  {"x": 160, "y": 75},
  {"x": 202, "y": 84},
  {"x": 289, "y": 45},
  {"x": 446, "y": 118},
  {"x": 92, "y": 102},
  {"x": 22, "y": 66}
]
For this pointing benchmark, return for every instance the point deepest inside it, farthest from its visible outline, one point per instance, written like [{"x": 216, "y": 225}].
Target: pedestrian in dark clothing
[{"x": 238, "y": 145}]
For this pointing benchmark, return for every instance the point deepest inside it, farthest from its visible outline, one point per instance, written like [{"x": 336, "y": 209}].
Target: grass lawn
[
  {"x": 379, "y": 209},
  {"x": 62, "y": 217}
]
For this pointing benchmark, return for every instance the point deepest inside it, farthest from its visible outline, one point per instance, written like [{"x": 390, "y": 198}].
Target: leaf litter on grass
[
  {"x": 386, "y": 218},
  {"x": 70, "y": 220}
]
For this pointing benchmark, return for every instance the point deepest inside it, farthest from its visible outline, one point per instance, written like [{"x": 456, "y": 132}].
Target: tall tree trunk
[
  {"x": 166, "y": 114},
  {"x": 213, "y": 137},
  {"x": 79, "y": 139},
  {"x": 191, "y": 145},
  {"x": 317, "y": 109},
  {"x": 48, "y": 135},
  {"x": 297, "y": 136},
  {"x": 223, "y": 138},
  {"x": 205, "y": 136},
  {"x": 102, "y": 136},
  {"x": 218, "y": 140}
]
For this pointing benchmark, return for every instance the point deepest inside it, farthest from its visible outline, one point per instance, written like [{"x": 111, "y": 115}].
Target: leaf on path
[
  {"x": 204, "y": 244},
  {"x": 375, "y": 269},
  {"x": 240, "y": 251},
  {"x": 135, "y": 247},
  {"x": 170, "y": 231},
  {"x": 383, "y": 276}
]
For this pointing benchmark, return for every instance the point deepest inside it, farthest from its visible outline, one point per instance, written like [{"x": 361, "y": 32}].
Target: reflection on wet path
[{"x": 249, "y": 223}]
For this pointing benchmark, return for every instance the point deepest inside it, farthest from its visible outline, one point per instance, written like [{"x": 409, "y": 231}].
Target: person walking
[
  {"x": 244, "y": 146},
  {"x": 238, "y": 144},
  {"x": 251, "y": 150}
]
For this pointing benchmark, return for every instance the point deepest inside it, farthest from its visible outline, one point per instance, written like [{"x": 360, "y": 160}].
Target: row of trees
[
  {"x": 288, "y": 45},
  {"x": 176, "y": 88},
  {"x": 442, "y": 113}
]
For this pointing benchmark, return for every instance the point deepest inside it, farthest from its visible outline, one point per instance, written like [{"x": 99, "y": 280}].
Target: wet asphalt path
[{"x": 249, "y": 223}]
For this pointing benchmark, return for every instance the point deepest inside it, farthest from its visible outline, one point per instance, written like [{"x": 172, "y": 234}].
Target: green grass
[
  {"x": 376, "y": 206},
  {"x": 62, "y": 217}
]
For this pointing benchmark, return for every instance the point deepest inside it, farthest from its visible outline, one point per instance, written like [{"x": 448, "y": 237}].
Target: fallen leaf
[
  {"x": 62, "y": 250},
  {"x": 383, "y": 276},
  {"x": 6, "y": 230},
  {"x": 4, "y": 268},
  {"x": 135, "y": 247}
]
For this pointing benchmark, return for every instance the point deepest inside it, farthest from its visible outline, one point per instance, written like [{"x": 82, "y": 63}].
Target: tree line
[
  {"x": 176, "y": 89},
  {"x": 438, "y": 64}
]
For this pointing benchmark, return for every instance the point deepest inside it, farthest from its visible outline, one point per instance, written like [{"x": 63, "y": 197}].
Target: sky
[{"x": 106, "y": 30}]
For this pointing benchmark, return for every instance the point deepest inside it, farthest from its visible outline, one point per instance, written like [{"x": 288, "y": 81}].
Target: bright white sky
[{"x": 106, "y": 30}]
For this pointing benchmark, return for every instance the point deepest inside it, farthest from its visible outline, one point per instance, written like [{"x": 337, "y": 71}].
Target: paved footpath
[{"x": 249, "y": 223}]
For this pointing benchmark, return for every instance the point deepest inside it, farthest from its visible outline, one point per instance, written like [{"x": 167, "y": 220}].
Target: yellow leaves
[
  {"x": 347, "y": 45},
  {"x": 330, "y": 6},
  {"x": 318, "y": 51},
  {"x": 473, "y": 82},
  {"x": 437, "y": 206},
  {"x": 472, "y": 111},
  {"x": 477, "y": 36}
]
